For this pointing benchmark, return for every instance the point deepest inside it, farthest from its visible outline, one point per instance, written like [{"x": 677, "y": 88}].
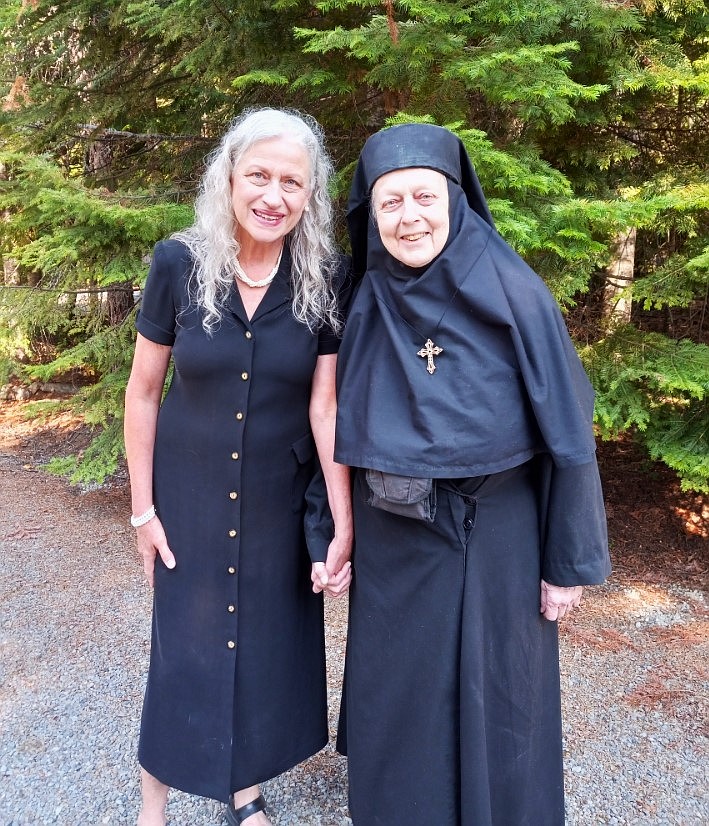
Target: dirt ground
[{"x": 659, "y": 548}]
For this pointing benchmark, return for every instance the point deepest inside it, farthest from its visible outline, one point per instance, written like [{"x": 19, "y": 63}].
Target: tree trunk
[
  {"x": 98, "y": 161},
  {"x": 10, "y": 272},
  {"x": 617, "y": 299},
  {"x": 119, "y": 302},
  {"x": 394, "y": 100},
  {"x": 10, "y": 267},
  {"x": 98, "y": 165}
]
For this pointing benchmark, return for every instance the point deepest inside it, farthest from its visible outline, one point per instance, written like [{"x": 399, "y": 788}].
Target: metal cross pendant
[{"x": 428, "y": 352}]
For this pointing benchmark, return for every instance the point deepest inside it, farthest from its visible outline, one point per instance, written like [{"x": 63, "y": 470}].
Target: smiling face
[
  {"x": 411, "y": 209},
  {"x": 270, "y": 187}
]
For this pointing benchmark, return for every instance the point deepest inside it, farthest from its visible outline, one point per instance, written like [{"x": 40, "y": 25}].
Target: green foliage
[
  {"x": 535, "y": 79},
  {"x": 674, "y": 284},
  {"x": 108, "y": 355},
  {"x": 73, "y": 247},
  {"x": 678, "y": 437},
  {"x": 582, "y": 119},
  {"x": 57, "y": 227},
  {"x": 78, "y": 244},
  {"x": 7, "y": 369},
  {"x": 97, "y": 462},
  {"x": 657, "y": 388}
]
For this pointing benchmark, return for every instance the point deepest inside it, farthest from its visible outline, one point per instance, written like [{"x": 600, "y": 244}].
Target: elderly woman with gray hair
[{"x": 231, "y": 474}]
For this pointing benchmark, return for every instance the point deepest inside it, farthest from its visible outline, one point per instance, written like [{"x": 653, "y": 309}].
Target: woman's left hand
[
  {"x": 558, "y": 601},
  {"x": 335, "y": 574}
]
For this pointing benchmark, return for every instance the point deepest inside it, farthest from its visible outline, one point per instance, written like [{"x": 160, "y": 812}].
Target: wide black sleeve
[
  {"x": 328, "y": 339},
  {"x": 157, "y": 315},
  {"x": 574, "y": 535},
  {"x": 318, "y": 523}
]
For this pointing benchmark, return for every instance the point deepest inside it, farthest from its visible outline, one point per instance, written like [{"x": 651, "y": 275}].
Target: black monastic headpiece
[
  {"x": 402, "y": 147},
  {"x": 507, "y": 382}
]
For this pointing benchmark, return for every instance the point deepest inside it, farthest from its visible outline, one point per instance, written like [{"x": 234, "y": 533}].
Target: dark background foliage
[{"x": 587, "y": 122}]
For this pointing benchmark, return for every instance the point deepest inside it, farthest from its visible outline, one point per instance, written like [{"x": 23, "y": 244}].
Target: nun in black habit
[{"x": 467, "y": 416}]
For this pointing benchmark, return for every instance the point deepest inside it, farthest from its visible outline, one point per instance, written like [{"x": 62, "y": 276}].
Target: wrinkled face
[
  {"x": 270, "y": 186},
  {"x": 411, "y": 209}
]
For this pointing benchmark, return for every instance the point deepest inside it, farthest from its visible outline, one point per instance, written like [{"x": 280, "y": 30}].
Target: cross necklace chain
[{"x": 430, "y": 348}]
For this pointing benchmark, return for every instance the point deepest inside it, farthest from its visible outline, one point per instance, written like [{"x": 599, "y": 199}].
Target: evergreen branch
[
  {"x": 65, "y": 290},
  {"x": 96, "y": 132},
  {"x": 221, "y": 11}
]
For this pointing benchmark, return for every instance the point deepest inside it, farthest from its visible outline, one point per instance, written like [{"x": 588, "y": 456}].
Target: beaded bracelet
[{"x": 137, "y": 521}]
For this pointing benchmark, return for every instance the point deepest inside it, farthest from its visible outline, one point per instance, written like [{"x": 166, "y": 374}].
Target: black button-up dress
[{"x": 236, "y": 690}]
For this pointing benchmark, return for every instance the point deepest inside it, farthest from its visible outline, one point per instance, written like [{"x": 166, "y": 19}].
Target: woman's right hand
[{"x": 151, "y": 542}]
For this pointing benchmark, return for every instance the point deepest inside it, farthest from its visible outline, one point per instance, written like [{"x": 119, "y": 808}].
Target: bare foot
[{"x": 152, "y": 812}]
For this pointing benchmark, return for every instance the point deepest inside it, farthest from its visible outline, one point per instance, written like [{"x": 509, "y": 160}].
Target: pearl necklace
[{"x": 264, "y": 282}]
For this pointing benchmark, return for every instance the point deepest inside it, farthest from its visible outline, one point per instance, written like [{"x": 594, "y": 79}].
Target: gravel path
[{"x": 74, "y": 632}]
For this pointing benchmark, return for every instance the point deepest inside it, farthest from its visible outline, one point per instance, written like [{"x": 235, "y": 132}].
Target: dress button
[
  {"x": 248, "y": 334},
  {"x": 231, "y": 569},
  {"x": 239, "y": 416},
  {"x": 231, "y": 609},
  {"x": 244, "y": 376},
  {"x": 232, "y": 533},
  {"x": 233, "y": 494},
  {"x": 467, "y": 523},
  {"x": 234, "y": 455},
  {"x": 231, "y": 644}
]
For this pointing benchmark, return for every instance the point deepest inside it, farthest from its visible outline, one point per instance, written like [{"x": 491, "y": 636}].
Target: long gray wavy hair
[{"x": 212, "y": 238}]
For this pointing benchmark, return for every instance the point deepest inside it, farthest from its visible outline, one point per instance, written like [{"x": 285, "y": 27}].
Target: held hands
[
  {"x": 151, "y": 542},
  {"x": 335, "y": 574},
  {"x": 557, "y": 601}
]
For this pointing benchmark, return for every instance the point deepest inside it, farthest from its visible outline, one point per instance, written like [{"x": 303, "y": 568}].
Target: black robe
[{"x": 451, "y": 711}]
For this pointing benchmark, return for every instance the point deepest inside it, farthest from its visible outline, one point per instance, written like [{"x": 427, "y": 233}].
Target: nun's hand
[
  {"x": 335, "y": 574},
  {"x": 335, "y": 584},
  {"x": 557, "y": 601}
]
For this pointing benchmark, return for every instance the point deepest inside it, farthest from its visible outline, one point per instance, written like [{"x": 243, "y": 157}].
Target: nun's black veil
[
  {"x": 508, "y": 383},
  {"x": 401, "y": 147}
]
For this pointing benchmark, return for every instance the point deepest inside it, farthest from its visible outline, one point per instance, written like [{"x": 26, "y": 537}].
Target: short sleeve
[
  {"x": 328, "y": 339},
  {"x": 157, "y": 314}
]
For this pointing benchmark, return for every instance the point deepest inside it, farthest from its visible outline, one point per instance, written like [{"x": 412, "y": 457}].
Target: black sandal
[{"x": 235, "y": 817}]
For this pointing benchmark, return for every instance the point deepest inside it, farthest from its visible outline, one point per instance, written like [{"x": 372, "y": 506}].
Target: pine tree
[{"x": 586, "y": 121}]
